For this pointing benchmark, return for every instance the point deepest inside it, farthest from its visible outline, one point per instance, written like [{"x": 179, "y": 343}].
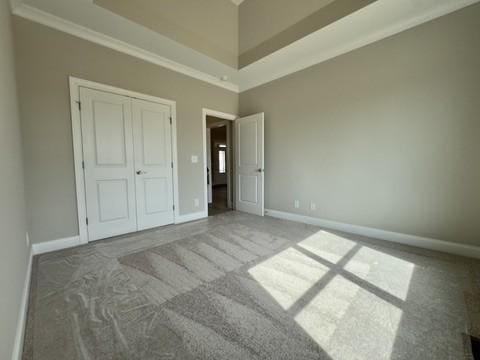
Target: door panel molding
[
  {"x": 75, "y": 84},
  {"x": 153, "y": 157},
  {"x": 108, "y": 157},
  {"x": 250, "y": 163}
]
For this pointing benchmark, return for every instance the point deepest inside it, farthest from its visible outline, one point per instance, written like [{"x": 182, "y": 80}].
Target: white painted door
[
  {"x": 109, "y": 164},
  {"x": 249, "y": 161},
  {"x": 152, "y": 134},
  {"x": 209, "y": 166}
]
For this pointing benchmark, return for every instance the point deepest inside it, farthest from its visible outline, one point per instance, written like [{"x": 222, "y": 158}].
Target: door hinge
[
  {"x": 86, "y": 221},
  {"x": 83, "y": 165},
  {"x": 79, "y": 105},
  {"x": 170, "y": 120},
  {"x": 174, "y": 207},
  {"x": 172, "y": 164}
]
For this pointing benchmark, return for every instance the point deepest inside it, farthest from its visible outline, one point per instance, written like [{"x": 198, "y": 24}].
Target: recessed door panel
[
  {"x": 155, "y": 128},
  {"x": 112, "y": 200},
  {"x": 109, "y": 163},
  {"x": 153, "y": 164},
  {"x": 161, "y": 202},
  {"x": 248, "y": 188},
  {"x": 249, "y": 164},
  {"x": 248, "y": 155},
  {"x": 109, "y": 133}
]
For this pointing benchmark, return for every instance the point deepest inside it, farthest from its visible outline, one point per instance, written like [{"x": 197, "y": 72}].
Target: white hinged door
[
  {"x": 108, "y": 163},
  {"x": 128, "y": 163},
  {"x": 249, "y": 160},
  {"x": 152, "y": 134}
]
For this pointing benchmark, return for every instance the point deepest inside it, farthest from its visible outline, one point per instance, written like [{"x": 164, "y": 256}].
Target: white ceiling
[{"x": 237, "y": 2}]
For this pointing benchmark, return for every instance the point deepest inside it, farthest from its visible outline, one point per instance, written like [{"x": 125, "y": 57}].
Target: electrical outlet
[
  {"x": 313, "y": 206},
  {"x": 196, "y": 202},
  {"x": 194, "y": 159},
  {"x": 297, "y": 204}
]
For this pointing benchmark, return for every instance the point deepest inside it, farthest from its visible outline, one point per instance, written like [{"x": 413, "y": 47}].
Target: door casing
[
  {"x": 209, "y": 166},
  {"x": 75, "y": 85},
  {"x": 220, "y": 115}
]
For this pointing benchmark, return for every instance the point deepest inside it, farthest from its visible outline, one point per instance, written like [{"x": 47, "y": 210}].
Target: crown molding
[
  {"x": 375, "y": 22},
  {"x": 14, "y": 4},
  {"x": 372, "y": 23},
  {"x": 55, "y": 22}
]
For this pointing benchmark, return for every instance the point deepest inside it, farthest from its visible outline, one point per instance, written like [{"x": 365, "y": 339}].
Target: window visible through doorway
[{"x": 222, "y": 161}]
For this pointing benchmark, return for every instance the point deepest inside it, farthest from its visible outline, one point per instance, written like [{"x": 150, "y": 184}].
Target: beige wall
[
  {"x": 208, "y": 26},
  {"x": 281, "y": 14},
  {"x": 387, "y": 136},
  {"x": 14, "y": 250},
  {"x": 269, "y": 25},
  {"x": 45, "y": 59}
]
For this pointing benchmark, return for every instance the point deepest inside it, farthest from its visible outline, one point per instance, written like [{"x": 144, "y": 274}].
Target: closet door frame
[{"x": 75, "y": 110}]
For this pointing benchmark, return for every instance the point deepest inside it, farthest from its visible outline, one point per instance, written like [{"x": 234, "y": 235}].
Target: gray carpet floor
[{"x": 236, "y": 286}]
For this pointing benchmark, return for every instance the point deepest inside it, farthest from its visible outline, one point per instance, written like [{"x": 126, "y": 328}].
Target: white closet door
[
  {"x": 109, "y": 163},
  {"x": 153, "y": 163},
  {"x": 249, "y": 163}
]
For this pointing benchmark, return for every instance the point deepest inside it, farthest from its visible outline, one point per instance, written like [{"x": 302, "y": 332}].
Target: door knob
[
  {"x": 259, "y": 170},
  {"x": 141, "y": 172}
]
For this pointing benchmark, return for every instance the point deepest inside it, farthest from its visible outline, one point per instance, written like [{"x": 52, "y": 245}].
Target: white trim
[
  {"x": 75, "y": 85},
  {"x": 220, "y": 115},
  {"x": 230, "y": 166},
  {"x": 191, "y": 217},
  {"x": 176, "y": 192},
  {"x": 372, "y": 23},
  {"x": 406, "y": 239},
  {"x": 14, "y": 4},
  {"x": 119, "y": 91},
  {"x": 54, "y": 245},
  {"x": 375, "y": 22},
  {"x": 50, "y": 20},
  {"x": 17, "y": 352},
  {"x": 77, "y": 160}
]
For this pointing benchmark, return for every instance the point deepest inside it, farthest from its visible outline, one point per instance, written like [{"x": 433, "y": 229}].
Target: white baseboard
[
  {"x": 48, "y": 246},
  {"x": 191, "y": 217},
  {"x": 406, "y": 239},
  {"x": 22, "y": 315}
]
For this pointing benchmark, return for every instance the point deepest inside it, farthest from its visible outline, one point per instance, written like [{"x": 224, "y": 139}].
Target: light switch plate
[
  {"x": 194, "y": 159},
  {"x": 196, "y": 202}
]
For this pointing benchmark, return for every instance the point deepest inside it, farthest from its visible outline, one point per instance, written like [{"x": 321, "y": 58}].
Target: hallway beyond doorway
[{"x": 219, "y": 202}]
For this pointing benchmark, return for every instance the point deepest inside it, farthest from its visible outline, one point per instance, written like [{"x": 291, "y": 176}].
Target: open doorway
[{"x": 219, "y": 169}]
